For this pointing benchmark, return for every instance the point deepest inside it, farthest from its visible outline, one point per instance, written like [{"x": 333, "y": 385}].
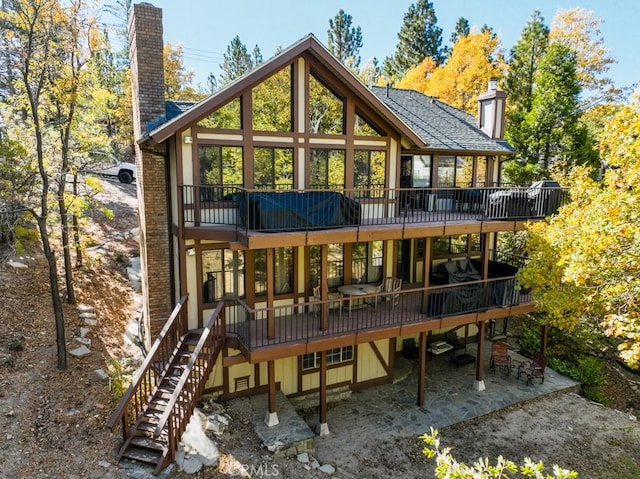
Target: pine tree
[
  {"x": 345, "y": 41},
  {"x": 523, "y": 65},
  {"x": 551, "y": 127},
  {"x": 419, "y": 37},
  {"x": 237, "y": 61}
]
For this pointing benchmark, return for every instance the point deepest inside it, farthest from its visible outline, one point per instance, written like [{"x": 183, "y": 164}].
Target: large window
[
  {"x": 334, "y": 356},
  {"x": 272, "y": 105},
  {"x": 326, "y": 169},
  {"x": 369, "y": 171},
  {"x": 335, "y": 265},
  {"x": 457, "y": 245},
  {"x": 223, "y": 273},
  {"x": 455, "y": 171},
  {"x": 220, "y": 165},
  {"x": 481, "y": 171},
  {"x": 283, "y": 271},
  {"x": 326, "y": 109},
  {"x": 366, "y": 262},
  {"x": 220, "y": 171},
  {"x": 273, "y": 168}
]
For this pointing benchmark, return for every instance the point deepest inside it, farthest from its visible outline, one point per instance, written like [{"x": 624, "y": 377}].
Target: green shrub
[{"x": 530, "y": 342}]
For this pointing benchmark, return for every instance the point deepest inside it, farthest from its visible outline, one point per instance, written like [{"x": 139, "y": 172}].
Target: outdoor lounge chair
[
  {"x": 336, "y": 304},
  {"x": 393, "y": 287},
  {"x": 534, "y": 368},
  {"x": 500, "y": 357}
]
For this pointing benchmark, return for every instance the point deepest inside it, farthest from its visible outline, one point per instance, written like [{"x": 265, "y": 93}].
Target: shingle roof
[
  {"x": 176, "y": 108},
  {"x": 440, "y": 126}
]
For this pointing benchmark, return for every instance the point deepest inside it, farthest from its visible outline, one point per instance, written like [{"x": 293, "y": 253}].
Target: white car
[{"x": 105, "y": 165}]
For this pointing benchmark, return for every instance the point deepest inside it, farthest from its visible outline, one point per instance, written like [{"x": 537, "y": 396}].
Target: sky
[{"x": 206, "y": 27}]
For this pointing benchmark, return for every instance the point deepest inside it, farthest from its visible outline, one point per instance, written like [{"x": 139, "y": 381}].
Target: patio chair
[
  {"x": 393, "y": 287},
  {"x": 336, "y": 304},
  {"x": 534, "y": 368},
  {"x": 500, "y": 357}
]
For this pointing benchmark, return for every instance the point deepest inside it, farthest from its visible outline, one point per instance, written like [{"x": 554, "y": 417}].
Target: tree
[
  {"x": 31, "y": 28},
  {"x": 579, "y": 29},
  {"x": 551, "y": 128},
  {"x": 177, "y": 80},
  {"x": 237, "y": 61},
  {"x": 523, "y": 64},
  {"x": 462, "y": 29},
  {"x": 447, "y": 466},
  {"x": 584, "y": 265},
  {"x": 474, "y": 59},
  {"x": 345, "y": 41},
  {"x": 419, "y": 37}
]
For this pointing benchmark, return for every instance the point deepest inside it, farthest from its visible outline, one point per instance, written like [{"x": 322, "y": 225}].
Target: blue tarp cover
[{"x": 294, "y": 211}]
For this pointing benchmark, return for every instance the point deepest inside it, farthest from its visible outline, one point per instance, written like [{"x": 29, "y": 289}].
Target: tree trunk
[
  {"x": 75, "y": 226},
  {"x": 66, "y": 247},
  {"x": 55, "y": 293}
]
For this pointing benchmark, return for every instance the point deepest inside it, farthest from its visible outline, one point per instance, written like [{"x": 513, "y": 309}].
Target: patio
[{"x": 391, "y": 409}]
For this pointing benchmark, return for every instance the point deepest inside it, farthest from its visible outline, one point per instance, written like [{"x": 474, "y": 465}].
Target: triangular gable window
[
  {"x": 326, "y": 109},
  {"x": 272, "y": 105},
  {"x": 363, "y": 127},
  {"x": 227, "y": 117}
]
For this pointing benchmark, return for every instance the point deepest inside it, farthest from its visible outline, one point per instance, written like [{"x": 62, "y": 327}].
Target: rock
[
  {"x": 191, "y": 464},
  {"x": 85, "y": 341},
  {"x": 17, "y": 265},
  {"x": 314, "y": 463},
  {"x": 90, "y": 322},
  {"x": 327, "y": 469},
  {"x": 104, "y": 464},
  {"x": 202, "y": 448},
  {"x": 85, "y": 308},
  {"x": 87, "y": 314},
  {"x": 303, "y": 458},
  {"x": 275, "y": 446},
  {"x": 101, "y": 374},
  {"x": 80, "y": 352},
  {"x": 84, "y": 332},
  {"x": 216, "y": 423}
]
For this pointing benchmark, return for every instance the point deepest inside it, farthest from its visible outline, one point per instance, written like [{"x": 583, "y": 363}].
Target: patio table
[{"x": 353, "y": 290}]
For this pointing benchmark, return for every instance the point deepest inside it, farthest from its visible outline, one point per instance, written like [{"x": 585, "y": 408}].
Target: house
[{"x": 298, "y": 229}]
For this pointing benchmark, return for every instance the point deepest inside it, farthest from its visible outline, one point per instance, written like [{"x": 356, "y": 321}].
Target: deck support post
[
  {"x": 323, "y": 428},
  {"x": 422, "y": 367},
  {"x": 271, "y": 320},
  {"x": 271, "y": 418},
  {"x": 478, "y": 384}
]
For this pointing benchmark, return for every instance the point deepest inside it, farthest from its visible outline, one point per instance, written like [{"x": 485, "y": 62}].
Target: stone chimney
[
  {"x": 147, "y": 84},
  {"x": 491, "y": 107}
]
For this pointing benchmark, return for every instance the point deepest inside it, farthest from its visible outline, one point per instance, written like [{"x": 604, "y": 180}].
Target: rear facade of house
[{"x": 286, "y": 204}]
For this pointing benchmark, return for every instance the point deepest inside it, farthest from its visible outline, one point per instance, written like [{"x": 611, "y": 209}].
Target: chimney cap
[{"x": 493, "y": 84}]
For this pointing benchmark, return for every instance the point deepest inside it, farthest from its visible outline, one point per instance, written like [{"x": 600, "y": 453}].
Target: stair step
[
  {"x": 143, "y": 455},
  {"x": 145, "y": 442}
]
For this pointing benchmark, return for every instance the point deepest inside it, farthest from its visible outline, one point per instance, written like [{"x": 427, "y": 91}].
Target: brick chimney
[
  {"x": 147, "y": 84},
  {"x": 491, "y": 107}
]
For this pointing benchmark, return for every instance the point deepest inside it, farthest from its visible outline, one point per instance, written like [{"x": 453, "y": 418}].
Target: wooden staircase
[{"x": 156, "y": 408}]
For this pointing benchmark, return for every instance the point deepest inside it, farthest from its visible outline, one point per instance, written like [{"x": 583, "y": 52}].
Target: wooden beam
[
  {"x": 323, "y": 388},
  {"x": 271, "y": 320},
  {"x": 480, "y": 357},
  {"x": 271, "y": 373},
  {"x": 543, "y": 339},
  {"x": 422, "y": 368}
]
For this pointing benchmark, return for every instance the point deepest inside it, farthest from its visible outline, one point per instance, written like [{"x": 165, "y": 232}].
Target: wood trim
[
  {"x": 323, "y": 388},
  {"x": 315, "y": 390},
  {"x": 371, "y": 383},
  {"x": 378, "y": 354}
]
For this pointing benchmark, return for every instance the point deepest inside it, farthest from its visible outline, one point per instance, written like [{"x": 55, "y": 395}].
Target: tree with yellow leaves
[
  {"x": 474, "y": 59},
  {"x": 585, "y": 262}
]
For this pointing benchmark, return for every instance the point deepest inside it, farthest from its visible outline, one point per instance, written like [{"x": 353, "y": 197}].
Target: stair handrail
[
  {"x": 214, "y": 325},
  {"x": 171, "y": 332}
]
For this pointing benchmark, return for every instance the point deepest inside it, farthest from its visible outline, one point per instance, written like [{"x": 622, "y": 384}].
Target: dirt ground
[{"x": 52, "y": 423}]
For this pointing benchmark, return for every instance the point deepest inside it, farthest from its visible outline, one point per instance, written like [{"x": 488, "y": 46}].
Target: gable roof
[
  {"x": 308, "y": 44},
  {"x": 440, "y": 126}
]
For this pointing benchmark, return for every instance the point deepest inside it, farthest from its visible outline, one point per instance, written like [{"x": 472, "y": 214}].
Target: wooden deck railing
[
  {"x": 302, "y": 322},
  {"x": 255, "y": 210},
  {"x": 134, "y": 400},
  {"x": 190, "y": 386}
]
